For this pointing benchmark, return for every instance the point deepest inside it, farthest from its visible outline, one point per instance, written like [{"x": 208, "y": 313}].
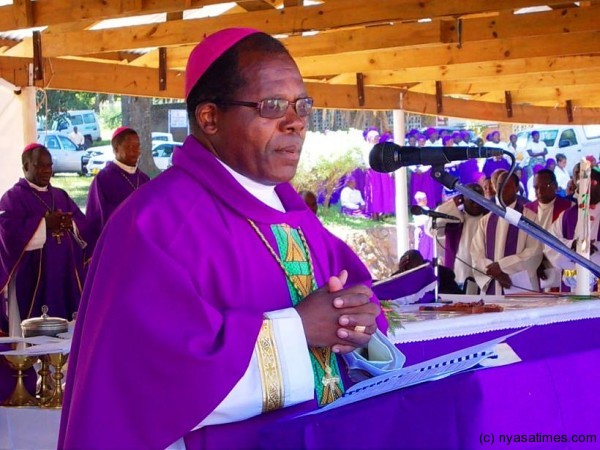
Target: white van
[
  {"x": 86, "y": 122},
  {"x": 574, "y": 141}
]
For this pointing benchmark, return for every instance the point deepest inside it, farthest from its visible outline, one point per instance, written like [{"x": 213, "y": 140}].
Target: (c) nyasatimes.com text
[{"x": 508, "y": 439}]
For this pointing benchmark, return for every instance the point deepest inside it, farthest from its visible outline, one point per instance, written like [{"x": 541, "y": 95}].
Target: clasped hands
[
  {"x": 338, "y": 317},
  {"x": 494, "y": 271},
  {"x": 59, "y": 221}
]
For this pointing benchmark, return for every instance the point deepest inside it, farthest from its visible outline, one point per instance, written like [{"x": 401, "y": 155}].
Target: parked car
[
  {"x": 574, "y": 141},
  {"x": 102, "y": 152},
  {"x": 86, "y": 122},
  {"x": 66, "y": 156},
  {"x": 159, "y": 136},
  {"x": 161, "y": 151}
]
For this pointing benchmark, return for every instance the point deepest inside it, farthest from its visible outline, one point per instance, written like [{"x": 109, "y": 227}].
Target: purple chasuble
[
  {"x": 174, "y": 302},
  {"x": 52, "y": 275},
  {"x": 560, "y": 205},
  {"x": 109, "y": 188},
  {"x": 510, "y": 247},
  {"x": 569, "y": 222},
  {"x": 453, "y": 233}
]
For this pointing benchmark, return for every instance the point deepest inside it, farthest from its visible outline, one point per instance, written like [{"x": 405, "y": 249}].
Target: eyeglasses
[{"x": 275, "y": 108}]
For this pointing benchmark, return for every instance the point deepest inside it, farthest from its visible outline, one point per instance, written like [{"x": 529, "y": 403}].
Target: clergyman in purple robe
[
  {"x": 209, "y": 281},
  {"x": 113, "y": 184},
  {"x": 42, "y": 236}
]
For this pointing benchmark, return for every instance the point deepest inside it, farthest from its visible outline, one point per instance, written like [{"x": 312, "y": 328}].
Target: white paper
[
  {"x": 505, "y": 355},
  {"x": 434, "y": 369},
  {"x": 520, "y": 283},
  {"x": 35, "y": 340},
  {"x": 61, "y": 346}
]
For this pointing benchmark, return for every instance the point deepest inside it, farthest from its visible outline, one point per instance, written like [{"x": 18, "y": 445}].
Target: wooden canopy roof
[{"x": 502, "y": 60}]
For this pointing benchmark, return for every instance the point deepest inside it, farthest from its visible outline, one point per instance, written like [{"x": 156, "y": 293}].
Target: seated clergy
[{"x": 501, "y": 251}]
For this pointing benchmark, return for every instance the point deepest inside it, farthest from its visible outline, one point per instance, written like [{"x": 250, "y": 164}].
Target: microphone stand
[
  {"x": 514, "y": 218},
  {"x": 434, "y": 257}
]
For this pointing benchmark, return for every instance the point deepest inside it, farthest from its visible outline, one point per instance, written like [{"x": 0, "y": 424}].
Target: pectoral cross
[
  {"x": 328, "y": 380},
  {"x": 57, "y": 235}
]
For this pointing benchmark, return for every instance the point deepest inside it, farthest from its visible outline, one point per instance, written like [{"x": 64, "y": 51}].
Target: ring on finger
[{"x": 360, "y": 328}]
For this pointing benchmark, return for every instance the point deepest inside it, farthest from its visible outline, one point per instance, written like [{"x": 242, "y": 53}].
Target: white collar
[
  {"x": 36, "y": 187},
  {"x": 130, "y": 170},
  {"x": 263, "y": 192},
  {"x": 544, "y": 206}
]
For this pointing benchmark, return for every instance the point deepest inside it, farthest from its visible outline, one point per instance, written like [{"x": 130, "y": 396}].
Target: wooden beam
[
  {"x": 479, "y": 70},
  {"x": 439, "y": 95},
  {"x": 332, "y": 14},
  {"x": 360, "y": 88},
  {"x": 53, "y": 12},
  {"x": 343, "y": 97},
  {"x": 508, "y": 104},
  {"x": 569, "y": 108},
  {"x": 447, "y": 55},
  {"x": 256, "y": 5},
  {"x": 23, "y": 13},
  {"x": 162, "y": 69},
  {"x": 38, "y": 68}
]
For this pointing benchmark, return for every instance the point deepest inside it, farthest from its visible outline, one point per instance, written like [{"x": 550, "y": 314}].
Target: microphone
[
  {"x": 388, "y": 157},
  {"x": 416, "y": 210}
]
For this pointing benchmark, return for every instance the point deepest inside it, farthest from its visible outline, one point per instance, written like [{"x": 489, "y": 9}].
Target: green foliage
[
  {"x": 77, "y": 187},
  {"x": 111, "y": 117},
  {"x": 324, "y": 174}
]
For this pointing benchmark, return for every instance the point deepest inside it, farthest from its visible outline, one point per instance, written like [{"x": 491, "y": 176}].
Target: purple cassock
[
  {"x": 491, "y": 165},
  {"x": 423, "y": 182},
  {"x": 53, "y": 275},
  {"x": 109, "y": 188},
  {"x": 174, "y": 303},
  {"x": 379, "y": 193}
]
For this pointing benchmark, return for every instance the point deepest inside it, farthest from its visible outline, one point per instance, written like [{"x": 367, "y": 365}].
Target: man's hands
[
  {"x": 59, "y": 221},
  {"x": 330, "y": 314},
  {"x": 494, "y": 271}
]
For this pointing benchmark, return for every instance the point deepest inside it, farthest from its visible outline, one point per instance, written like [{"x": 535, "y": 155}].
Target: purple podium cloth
[
  {"x": 111, "y": 186},
  {"x": 53, "y": 275},
  {"x": 553, "y": 391},
  {"x": 412, "y": 284},
  {"x": 186, "y": 288}
]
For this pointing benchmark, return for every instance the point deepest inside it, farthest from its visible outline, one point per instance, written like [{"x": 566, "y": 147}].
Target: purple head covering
[
  {"x": 430, "y": 131},
  {"x": 457, "y": 134},
  {"x": 447, "y": 139},
  {"x": 367, "y": 130},
  {"x": 413, "y": 132},
  {"x": 550, "y": 162},
  {"x": 537, "y": 168},
  {"x": 465, "y": 134},
  {"x": 386, "y": 137},
  {"x": 209, "y": 50},
  {"x": 120, "y": 130},
  {"x": 32, "y": 146}
]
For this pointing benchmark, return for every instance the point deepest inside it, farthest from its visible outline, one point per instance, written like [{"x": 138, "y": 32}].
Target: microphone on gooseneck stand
[
  {"x": 388, "y": 157},
  {"x": 416, "y": 210}
]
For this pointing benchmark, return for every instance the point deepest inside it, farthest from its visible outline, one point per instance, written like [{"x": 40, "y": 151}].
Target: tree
[
  {"x": 324, "y": 175},
  {"x": 136, "y": 114}
]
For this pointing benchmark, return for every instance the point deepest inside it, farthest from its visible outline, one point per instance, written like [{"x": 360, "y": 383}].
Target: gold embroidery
[{"x": 270, "y": 372}]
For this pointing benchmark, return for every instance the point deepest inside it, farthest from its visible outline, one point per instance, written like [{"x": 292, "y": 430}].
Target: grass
[
  {"x": 331, "y": 217},
  {"x": 76, "y": 186}
]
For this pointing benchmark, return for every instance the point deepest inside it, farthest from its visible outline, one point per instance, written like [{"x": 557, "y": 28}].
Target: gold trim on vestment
[{"x": 270, "y": 371}]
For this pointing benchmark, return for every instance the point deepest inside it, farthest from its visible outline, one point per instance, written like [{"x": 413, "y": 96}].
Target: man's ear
[{"x": 206, "y": 118}]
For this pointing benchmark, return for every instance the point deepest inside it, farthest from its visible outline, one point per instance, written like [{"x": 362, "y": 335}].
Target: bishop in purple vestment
[
  {"x": 190, "y": 307},
  {"x": 113, "y": 184},
  {"x": 42, "y": 236}
]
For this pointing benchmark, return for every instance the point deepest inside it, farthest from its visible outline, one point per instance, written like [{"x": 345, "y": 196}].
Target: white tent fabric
[{"x": 17, "y": 126}]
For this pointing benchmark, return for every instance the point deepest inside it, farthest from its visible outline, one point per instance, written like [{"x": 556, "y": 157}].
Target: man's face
[
  {"x": 128, "y": 151},
  {"x": 545, "y": 188},
  {"x": 39, "y": 169},
  {"x": 509, "y": 193},
  {"x": 562, "y": 163},
  {"x": 535, "y": 137},
  {"x": 264, "y": 150}
]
